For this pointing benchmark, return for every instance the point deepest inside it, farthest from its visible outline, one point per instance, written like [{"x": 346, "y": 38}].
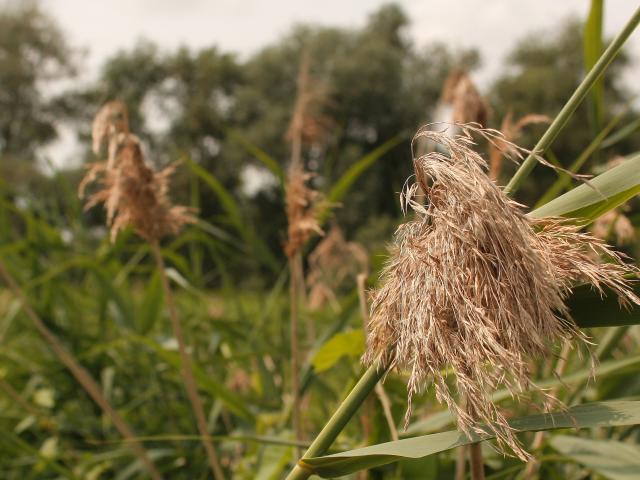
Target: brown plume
[
  {"x": 461, "y": 94},
  {"x": 510, "y": 132},
  {"x": 332, "y": 263},
  {"x": 475, "y": 287},
  {"x": 132, "y": 193}
]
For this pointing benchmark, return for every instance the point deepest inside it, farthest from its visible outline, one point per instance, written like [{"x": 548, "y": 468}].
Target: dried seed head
[
  {"x": 475, "y": 287},
  {"x": 132, "y": 193},
  {"x": 302, "y": 209},
  {"x": 461, "y": 94},
  {"x": 332, "y": 263},
  {"x": 510, "y": 132}
]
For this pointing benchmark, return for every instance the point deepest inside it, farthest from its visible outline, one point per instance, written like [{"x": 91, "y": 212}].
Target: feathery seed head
[
  {"x": 132, "y": 193},
  {"x": 332, "y": 263},
  {"x": 302, "y": 204},
  {"x": 475, "y": 287},
  {"x": 461, "y": 94}
]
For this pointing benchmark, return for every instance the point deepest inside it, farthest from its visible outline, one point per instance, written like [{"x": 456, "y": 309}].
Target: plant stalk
[
  {"x": 385, "y": 403},
  {"x": 187, "y": 369},
  {"x": 572, "y": 104},
  {"x": 476, "y": 461},
  {"x": 82, "y": 376},
  {"x": 461, "y": 462},
  {"x": 294, "y": 287},
  {"x": 338, "y": 421}
]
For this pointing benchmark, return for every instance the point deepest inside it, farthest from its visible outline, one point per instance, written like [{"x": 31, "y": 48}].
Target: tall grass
[{"x": 233, "y": 357}]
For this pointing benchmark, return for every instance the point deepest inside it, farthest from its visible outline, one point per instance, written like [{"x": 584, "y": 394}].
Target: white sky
[{"x": 244, "y": 26}]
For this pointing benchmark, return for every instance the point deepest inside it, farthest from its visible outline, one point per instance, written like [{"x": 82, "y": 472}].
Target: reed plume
[
  {"x": 475, "y": 286},
  {"x": 332, "y": 263},
  {"x": 510, "y": 130},
  {"x": 462, "y": 96},
  {"x": 302, "y": 206},
  {"x": 135, "y": 195},
  {"x": 132, "y": 193}
]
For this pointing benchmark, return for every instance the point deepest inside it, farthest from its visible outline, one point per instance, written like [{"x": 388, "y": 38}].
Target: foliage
[{"x": 224, "y": 114}]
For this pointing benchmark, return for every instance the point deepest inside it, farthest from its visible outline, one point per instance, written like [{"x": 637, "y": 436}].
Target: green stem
[
  {"x": 342, "y": 415},
  {"x": 572, "y": 104},
  {"x": 564, "y": 178}
]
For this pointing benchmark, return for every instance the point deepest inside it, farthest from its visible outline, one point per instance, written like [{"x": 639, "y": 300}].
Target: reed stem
[
  {"x": 476, "y": 461},
  {"x": 294, "y": 287},
  {"x": 337, "y": 422},
  {"x": 572, "y": 104},
  {"x": 82, "y": 376},
  {"x": 187, "y": 369}
]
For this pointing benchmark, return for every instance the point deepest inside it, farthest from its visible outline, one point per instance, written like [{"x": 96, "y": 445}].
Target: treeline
[{"x": 223, "y": 113}]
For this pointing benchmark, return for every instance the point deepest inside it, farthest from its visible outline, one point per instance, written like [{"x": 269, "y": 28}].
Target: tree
[{"x": 33, "y": 54}]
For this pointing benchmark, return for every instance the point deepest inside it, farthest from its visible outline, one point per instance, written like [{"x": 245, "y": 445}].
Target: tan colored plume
[
  {"x": 133, "y": 194},
  {"x": 510, "y": 130},
  {"x": 302, "y": 203},
  {"x": 307, "y": 126},
  {"x": 332, "y": 263},
  {"x": 476, "y": 288},
  {"x": 461, "y": 94}
]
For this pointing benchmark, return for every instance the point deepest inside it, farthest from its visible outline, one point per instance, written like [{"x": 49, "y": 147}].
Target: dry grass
[
  {"x": 302, "y": 203},
  {"x": 510, "y": 132},
  {"x": 132, "y": 192},
  {"x": 332, "y": 264},
  {"x": 475, "y": 286},
  {"x": 461, "y": 94}
]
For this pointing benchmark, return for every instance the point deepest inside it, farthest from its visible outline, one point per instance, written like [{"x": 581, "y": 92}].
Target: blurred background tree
[
  {"x": 207, "y": 105},
  {"x": 34, "y": 56}
]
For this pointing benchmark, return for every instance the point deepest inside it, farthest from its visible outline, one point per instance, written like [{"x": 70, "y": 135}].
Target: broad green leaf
[
  {"x": 343, "y": 184},
  {"x": 345, "y": 344},
  {"x": 260, "y": 155},
  {"x": 604, "y": 414},
  {"x": 606, "y": 192},
  {"x": 615, "y": 460},
  {"x": 234, "y": 214},
  {"x": 592, "y": 46},
  {"x": 227, "y": 201},
  {"x": 605, "y": 369}
]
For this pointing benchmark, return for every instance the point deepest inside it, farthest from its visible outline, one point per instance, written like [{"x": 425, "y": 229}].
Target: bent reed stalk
[
  {"x": 82, "y": 376},
  {"x": 375, "y": 372},
  {"x": 187, "y": 367}
]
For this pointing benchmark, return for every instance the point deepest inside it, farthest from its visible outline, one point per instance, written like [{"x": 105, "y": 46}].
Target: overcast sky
[{"x": 244, "y": 26}]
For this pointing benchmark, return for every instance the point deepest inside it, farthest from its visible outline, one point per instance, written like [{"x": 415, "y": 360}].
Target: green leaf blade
[
  {"x": 606, "y": 192},
  {"x": 603, "y": 414}
]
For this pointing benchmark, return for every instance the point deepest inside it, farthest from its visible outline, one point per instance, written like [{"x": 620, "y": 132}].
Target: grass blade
[{"x": 615, "y": 413}]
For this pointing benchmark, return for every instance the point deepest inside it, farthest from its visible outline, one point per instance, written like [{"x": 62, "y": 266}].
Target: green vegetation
[{"x": 94, "y": 379}]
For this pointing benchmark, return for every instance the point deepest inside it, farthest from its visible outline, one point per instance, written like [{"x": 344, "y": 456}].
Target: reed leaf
[{"x": 602, "y": 414}]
